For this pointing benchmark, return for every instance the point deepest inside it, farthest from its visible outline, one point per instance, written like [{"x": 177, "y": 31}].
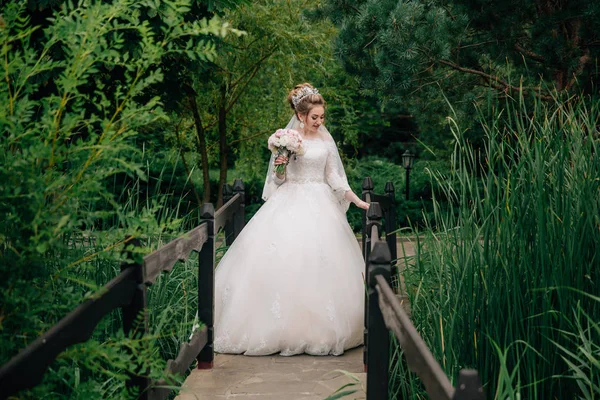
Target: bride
[{"x": 291, "y": 282}]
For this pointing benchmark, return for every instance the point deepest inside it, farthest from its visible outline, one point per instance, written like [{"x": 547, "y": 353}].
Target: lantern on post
[{"x": 408, "y": 160}]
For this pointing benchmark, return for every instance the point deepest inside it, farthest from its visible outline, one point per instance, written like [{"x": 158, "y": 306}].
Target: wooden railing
[
  {"x": 387, "y": 202},
  {"x": 384, "y": 206},
  {"x": 384, "y": 313},
  {"x": 128, "y": 292}
]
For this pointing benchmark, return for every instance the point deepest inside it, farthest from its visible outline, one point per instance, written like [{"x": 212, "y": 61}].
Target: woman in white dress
[{"x": 291, "y": 282}]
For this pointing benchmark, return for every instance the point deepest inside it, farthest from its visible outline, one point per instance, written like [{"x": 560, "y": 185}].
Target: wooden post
[
  {"x": 206, "y": 286},
  {"x": 240, "y": 215},
  {"x": 468, "y": 386},
  {"x": 374, "y": 216},
  {"x": 367, "y": 195},
  {"x": 378, "y": 341},
  {"x": 373, "y": 219},
  {"x": 390, "y": 226},
  {"x": 229, "y": 225},
  {"x": 135, "y": 316}
]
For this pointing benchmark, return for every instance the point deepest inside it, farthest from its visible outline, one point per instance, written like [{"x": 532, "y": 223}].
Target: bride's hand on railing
[{"x": 363, "y": 204}]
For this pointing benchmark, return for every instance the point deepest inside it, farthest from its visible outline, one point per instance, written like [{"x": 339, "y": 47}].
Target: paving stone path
[{"x": 275, "y": 377}]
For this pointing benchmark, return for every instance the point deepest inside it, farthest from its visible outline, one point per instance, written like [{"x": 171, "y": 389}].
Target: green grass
[{"x": 505, "y": 284}]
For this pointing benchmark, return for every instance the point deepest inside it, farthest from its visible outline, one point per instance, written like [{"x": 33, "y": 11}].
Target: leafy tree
[
  {"x": 179, "y": 68},
  {"x": 242, "y": 97},
  {"x": 72, "y": 102}
]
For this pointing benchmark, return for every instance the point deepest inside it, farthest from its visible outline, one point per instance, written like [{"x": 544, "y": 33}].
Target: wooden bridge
[{"x": 239, "y": 377}]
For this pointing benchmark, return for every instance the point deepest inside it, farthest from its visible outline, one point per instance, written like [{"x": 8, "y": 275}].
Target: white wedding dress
[{"x": 292, "y": 281}]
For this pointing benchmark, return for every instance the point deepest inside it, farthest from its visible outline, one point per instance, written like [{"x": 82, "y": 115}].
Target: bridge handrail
[
  {"x": 384, "y": 312},
  {"x": 387, "y": 202},
  {"x": 26, "y": 369},
  {"x": 128, "y": 292}
]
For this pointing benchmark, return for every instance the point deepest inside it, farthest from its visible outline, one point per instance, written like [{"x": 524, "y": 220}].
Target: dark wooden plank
[
  {"x": 367, "y": 191},
  {"x": 179, "y": 249},
  {"x": 378, "y": 338},
  {"x": 133, "y": 325},
  {"x": 417, "y": 354},
  {"x": 27, "y": 368},
  {"x": 371, "y": 230},
  {"x": 468, "y": 386},
  {"x": 226, "y": 212},
  {"x": 206, "y": 287},
  {"x": 383, "y": 200},
  {"x": 390, "y": 224},
  {"x": 187, "y": 354}
]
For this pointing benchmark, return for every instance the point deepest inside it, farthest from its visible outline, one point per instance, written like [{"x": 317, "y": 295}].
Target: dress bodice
[
  {"x": 320, "y": 164},
  {"x": 311, "y": 166}
]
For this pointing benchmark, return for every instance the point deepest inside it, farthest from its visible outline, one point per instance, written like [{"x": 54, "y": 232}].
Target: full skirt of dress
[{"x": 292, "y": 281}]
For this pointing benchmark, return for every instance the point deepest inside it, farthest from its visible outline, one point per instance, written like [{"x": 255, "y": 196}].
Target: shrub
[{"x": 71, "y": 104}]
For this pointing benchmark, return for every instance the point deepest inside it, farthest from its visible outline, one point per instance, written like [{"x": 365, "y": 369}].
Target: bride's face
[{"x": 314, "y": 119}]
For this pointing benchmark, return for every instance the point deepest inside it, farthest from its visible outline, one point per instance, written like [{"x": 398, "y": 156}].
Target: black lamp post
[{"x": 407, "y": 162}]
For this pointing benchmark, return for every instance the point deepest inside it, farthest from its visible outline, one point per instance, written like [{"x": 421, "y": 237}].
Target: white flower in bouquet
[{"x": 285, "y": 142}]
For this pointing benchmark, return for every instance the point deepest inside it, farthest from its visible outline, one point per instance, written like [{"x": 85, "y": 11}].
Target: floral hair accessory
[{"x": 302, "y": 93}]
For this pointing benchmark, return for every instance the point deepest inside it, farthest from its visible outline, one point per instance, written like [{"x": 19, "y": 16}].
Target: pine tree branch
[
  {"x": 498, "y": 83},
  {"x": 583, "y": 61},
  {"x": 433, "y": 82},
  {"x": 370, "y": 42},
  {"x": 529, "y": 53},
  {"x": 354, "y": 8},
  {"x": 476, "y": 44}
]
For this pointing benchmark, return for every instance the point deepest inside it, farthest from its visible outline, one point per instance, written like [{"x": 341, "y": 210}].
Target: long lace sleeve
[{"x": 336, "y": 176}]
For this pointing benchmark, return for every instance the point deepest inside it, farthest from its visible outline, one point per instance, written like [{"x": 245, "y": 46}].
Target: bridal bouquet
[{"x": 285, "y": 142}]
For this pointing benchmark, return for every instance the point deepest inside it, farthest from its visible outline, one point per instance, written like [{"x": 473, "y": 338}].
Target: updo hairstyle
[{"x": 307, "y": 103}]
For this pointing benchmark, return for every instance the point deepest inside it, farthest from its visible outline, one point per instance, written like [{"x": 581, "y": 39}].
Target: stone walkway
[
  {"x": 276, "y": 378},
  {"x": 281, "y": 378}
]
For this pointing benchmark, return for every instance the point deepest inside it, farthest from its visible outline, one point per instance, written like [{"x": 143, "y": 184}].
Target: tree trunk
[
  {"x": 222, "y": 144},
  {"x": 201, "y": 143}
]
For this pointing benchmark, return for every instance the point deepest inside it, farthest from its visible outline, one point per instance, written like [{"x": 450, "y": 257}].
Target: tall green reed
[{"x": 494, "y": 288}]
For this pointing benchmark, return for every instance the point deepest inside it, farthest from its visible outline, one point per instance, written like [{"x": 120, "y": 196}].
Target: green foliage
[
  {"x": 283, "y": 45},
  {"x": 506, "y": 284},
  {"x": 73, "y": 100},
  {"x": 290, "y": 50},
  {"x": 404, "y": 51},
  {"x": 583, "y": 352},
  {"x": 416, "y": 211}
]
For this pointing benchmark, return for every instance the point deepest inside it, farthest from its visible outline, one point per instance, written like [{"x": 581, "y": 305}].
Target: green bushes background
[{"x": 506, "y": 280}]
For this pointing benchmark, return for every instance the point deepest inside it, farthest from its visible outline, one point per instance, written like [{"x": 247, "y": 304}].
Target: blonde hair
[{"x": 307, "y": 103}]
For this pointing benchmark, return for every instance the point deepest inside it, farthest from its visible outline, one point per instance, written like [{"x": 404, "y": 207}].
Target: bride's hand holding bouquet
[{"x": 284, "y": 143}]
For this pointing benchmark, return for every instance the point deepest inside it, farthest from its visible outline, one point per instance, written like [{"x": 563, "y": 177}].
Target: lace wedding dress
[{"x": 292, "y": 281}]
